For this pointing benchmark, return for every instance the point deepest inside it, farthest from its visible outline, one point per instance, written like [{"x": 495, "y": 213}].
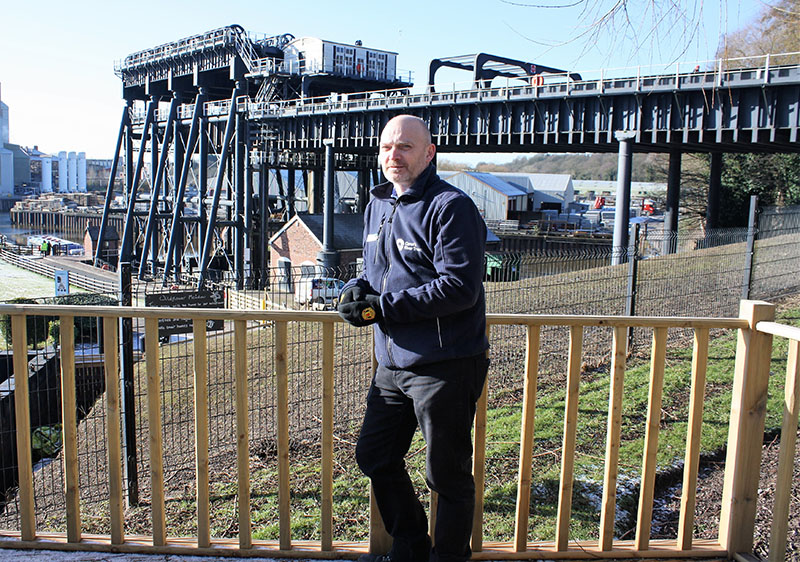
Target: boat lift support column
[
  {"x": 175, "y": 232},
  {"x": 619, "y": 245},
  {"x": 208, "y": 241},
  {"x": 669, "y": 244},
  {"x": 328, "y": 258}
]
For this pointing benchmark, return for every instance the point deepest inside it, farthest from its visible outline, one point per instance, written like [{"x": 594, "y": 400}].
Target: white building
[
  {"x": 597, "y": 188},
  {"x": 6, "y": 156},
  {"x": 493, "y": 196},
  {"x": 22, "y": 166},
  {"x": 306, "y": 55},
  {"x": 549, "y": 191},
  {"x": 499, "y": 194}
]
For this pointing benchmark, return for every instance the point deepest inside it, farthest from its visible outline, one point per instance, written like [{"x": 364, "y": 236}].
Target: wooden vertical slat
[
  {"x": 479, "y": 464},
  {"x": 69, "y": 420},
  {"x": 282, "y": 383},
  {"x": 111, "y": 364},
  {"x": 326, "y": 509},
  {"x": 783, "y": 484},
  {"x": 570, "y": 427},
  {"x": 380, "y": 542},
  {"x": 649, "y": 457},
  {"x": 609, "y": 501},
  {"x": 154, "y": 425},
  {"x": 432, "y": 517},
  {"x": 746, "y": 433},
  {"x": 201, "y": 430},
  {"x": 526, "y": 439},
  {"x": 692, "y": 458},
  {"x": 19, "y": 337},
  {"x": 242, "y": 433}
]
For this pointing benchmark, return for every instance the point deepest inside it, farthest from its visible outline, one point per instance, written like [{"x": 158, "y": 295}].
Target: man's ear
[{"x": 431, "y": 152}]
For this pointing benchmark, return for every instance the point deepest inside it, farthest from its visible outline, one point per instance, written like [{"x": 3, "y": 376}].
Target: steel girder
[{"x": 746, "y": 112}]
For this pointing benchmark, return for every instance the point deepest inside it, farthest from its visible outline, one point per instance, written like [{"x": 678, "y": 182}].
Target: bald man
[{"x": 422, "y": 291}]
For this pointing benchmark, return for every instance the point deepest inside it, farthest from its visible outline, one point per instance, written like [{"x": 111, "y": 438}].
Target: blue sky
[{"x": 57, "y": 58}]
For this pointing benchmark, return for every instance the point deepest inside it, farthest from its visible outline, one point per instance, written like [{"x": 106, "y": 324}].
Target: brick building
[{"x": 300, "y": 240}]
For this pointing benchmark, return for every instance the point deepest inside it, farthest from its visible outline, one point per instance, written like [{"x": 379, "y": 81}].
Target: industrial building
[
  {"x": 28, "y": 171},
  {"x": 504, "y": 195}
]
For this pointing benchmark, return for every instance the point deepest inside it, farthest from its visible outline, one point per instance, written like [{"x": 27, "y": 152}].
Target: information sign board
[
  {"x": 61, "y": 277},
  {"x": 186, "y": 299}
]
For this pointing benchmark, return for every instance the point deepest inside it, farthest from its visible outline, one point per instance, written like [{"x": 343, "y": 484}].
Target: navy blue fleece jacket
[{"x": 424, "y": 256}]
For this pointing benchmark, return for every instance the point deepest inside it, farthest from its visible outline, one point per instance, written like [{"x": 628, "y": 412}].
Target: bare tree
[
  {"x": 665, "y": 28},
  {"x": 776, "y": 30}
]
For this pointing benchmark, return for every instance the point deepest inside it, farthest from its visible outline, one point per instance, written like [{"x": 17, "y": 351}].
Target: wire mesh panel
[
  {"x": 776, "y": 253},
  {"x": 704, "y": 277}
]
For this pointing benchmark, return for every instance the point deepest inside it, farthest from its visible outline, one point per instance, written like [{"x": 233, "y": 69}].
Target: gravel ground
[{"x": 709, "y": 498}]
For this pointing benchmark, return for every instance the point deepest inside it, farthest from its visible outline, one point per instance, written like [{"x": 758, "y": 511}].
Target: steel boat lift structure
[
  {"x": 198, "y": 162},
  {"x": 190, "y": 157}
]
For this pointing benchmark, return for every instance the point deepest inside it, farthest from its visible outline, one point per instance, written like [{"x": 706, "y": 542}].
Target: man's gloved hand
[
  {"x": 361, "y": 312},
  {"x": 351, "y": 294}
]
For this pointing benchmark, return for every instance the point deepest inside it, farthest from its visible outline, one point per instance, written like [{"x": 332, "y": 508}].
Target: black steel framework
[{"x": 220, "y": 135}]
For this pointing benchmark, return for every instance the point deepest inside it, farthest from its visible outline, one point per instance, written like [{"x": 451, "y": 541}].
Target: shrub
[
  {"x": 87, "y": 329},
  {"x": 37, "y": 326}
]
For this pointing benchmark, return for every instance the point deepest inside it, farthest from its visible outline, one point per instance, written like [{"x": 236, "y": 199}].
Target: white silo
[
  {"x": 72, "y": 177},
  {"x": 82, "y": 171},
  {"x": 62, "y": 172},
  {"x": 47, "y": 174}
]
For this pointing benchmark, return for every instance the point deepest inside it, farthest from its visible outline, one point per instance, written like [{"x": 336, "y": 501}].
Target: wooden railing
[
  {"x": 48, "y": 270},
  {"x": 791, "y": 407},
  {"x": 755, "y": 329}
]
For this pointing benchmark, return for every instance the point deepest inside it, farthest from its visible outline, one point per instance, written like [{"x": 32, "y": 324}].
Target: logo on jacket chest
[{"x": 405, "y": 245}]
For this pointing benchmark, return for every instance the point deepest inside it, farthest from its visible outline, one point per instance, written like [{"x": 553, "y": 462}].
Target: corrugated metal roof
[
  {"x": 498, "y": 184},
  {"x": 538, "y": 182}
]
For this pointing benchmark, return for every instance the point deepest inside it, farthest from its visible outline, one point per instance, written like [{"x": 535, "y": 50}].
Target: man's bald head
[{"x": 405, "y": 150}]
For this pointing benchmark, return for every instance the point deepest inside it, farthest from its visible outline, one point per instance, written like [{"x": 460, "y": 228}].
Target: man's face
[{"x": 405, "y": 151}]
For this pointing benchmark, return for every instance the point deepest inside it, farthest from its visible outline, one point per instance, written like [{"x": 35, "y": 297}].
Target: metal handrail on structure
[
  {"x": 196, "y": 43},
  {"x": 673, "y": 77},
  {"x": 754, "y": 326}
]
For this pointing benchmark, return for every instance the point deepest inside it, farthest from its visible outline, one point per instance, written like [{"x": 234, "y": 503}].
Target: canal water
[{"x": 20, "y": 235}]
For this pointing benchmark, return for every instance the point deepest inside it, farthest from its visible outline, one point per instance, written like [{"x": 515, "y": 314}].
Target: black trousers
[{"x": 440, "y": 398}]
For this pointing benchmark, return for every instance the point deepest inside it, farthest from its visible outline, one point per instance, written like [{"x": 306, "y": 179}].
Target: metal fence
[{"x": 704, "y": 277}]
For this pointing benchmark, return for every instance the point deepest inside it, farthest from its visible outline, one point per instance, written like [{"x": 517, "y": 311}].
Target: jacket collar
[{"x": 416, "y": 190}]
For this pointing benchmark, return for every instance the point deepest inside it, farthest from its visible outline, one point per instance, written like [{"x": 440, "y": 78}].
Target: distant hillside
[{"x": 646, "y": 167}]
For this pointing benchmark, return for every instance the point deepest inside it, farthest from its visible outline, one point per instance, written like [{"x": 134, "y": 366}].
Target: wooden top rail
[
  {"x": 328, "y": 316},
  {"x": 782, "y": 330}
]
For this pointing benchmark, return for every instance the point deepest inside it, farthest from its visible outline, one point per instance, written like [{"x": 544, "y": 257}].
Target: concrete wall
[{"x": 6, "y": 172}]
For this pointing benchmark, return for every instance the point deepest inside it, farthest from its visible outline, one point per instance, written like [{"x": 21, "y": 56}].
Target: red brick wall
[{"x": 298, "y": 245}]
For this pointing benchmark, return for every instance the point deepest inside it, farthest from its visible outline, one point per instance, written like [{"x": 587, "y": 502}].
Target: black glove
[
  {"x": 361, "y": 312},
  {"x": 353, "y": 293}
]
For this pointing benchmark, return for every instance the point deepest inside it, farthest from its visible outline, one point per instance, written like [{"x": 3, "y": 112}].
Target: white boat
[{"x": 65, "y": 247}]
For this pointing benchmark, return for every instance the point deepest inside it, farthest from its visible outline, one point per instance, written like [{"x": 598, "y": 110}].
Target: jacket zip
[
  {"x": 439, "y": 331},
  {"x": 387, "y": 257}
]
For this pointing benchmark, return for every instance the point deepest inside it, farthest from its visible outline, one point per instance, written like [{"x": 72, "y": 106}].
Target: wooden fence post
[
  {"x": 746, "y": 433},
  {"x": 380, "y": 541}
]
